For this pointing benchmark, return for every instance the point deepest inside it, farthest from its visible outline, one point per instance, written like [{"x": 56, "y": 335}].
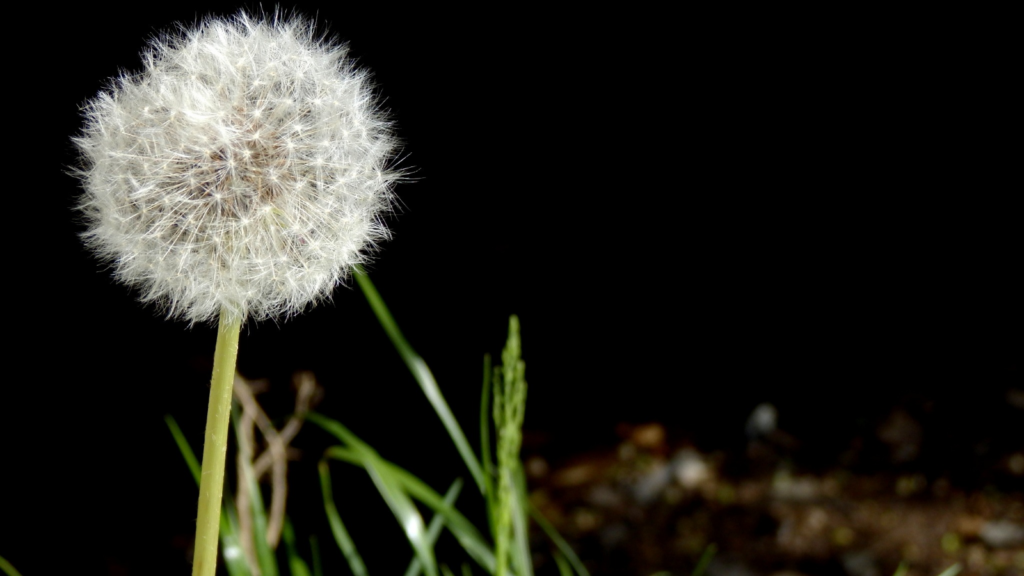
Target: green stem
[{"x": 211, "y": 485}]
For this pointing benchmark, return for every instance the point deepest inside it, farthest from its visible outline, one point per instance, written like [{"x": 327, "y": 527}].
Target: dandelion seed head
[{"x": 245, "y": 169}]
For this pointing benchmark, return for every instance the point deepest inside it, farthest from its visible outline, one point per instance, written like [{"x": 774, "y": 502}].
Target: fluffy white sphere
[{"x": 245, "y": 170}]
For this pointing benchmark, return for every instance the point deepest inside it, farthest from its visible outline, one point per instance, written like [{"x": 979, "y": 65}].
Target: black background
[{"x": 691, "y": 214}]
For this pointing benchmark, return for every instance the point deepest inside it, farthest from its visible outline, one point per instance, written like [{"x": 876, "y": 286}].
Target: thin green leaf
[
  {"x": 8, "y": 568},
  {"x": 390, "y": 488},
  {"x": 466, "y": 570},
  {"x": 402, "y": 507},
  {"x": 338, "y": 430},
  {"x": 564, "y": 568},
  {"x": 296, "y": 565},
  {"x": 467, "y": 535},
  {"x": 558, "y": 541},
  {"x": 231, "y": 551},
  {"x": 421, "y": 373},
  {"x": 348, "y": 548},
  {"x": 436, "y": 524},
  {"x": 264, "y": 553},
  {"x": 705, "y": 560},
  {"x": 469, "y": 538},
  {"x": 902, "y": 569},
  {"x": 463, "y": 530},
  {"x": 952, "y": 570},
  {"x": 446, "y": 570},
  {"x": 314, "y": 546},
  {"x": 230, "y": 543},
  {"x": 485, "y": 443},
  {"x": 183, "y": 447}
]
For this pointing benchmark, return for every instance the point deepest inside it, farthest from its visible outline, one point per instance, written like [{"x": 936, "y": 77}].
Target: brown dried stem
[{"x": 273, "y": 459}]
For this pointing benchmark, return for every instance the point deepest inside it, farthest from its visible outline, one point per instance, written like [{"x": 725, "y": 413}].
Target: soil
[{"x": 655, "y": 504}]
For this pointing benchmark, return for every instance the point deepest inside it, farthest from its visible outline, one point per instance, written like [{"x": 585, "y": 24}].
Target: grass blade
[
  {"x": 485, "y": 443},
  {"x": 264, "y": 553},
  {"x": 705, "y": 560},
  {"x": 231, "y": 549},
  {"x": 8, "y": 568},
  {"x": 348, "y": 548},
  {"x": 183, "y": 447},
  {"x": 421, "y": 373},
  {"x": 469, "y": 538},
  {"x": 230, "y": 542},
  {"x": 318, "y": 569},
  {"x": 390, "y": 488},
  {"x": 296, "y": 565},
  {"x": 952, "y": 570},
  {"x": 564, "y": 569},
  {"x": 436, "y": 524},
  {"x": 558, "y": 541},
  {"x": 404, "y": 510}
]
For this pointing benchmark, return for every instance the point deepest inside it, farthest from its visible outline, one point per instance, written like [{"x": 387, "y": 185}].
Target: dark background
[{"x": 690, "y": 214}]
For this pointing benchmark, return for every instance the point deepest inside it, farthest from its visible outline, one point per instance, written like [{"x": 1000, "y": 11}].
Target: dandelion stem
[{"x": 211, "y": 484}]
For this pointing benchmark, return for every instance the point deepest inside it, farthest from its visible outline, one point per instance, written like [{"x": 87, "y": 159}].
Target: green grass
[
  {"x": 503, "y": 485},
  {"x": 496, "y": 472}
]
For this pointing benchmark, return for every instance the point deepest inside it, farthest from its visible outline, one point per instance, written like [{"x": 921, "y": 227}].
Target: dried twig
[{"x": 273, "y": 459}]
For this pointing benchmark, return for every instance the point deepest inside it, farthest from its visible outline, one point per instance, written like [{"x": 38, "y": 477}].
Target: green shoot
[
  {"x": 341, "y": 537},
  {"x": 421, "y": 373},
  {"x": 705, "y": 560},
  {"x": 8, "y": 568}
]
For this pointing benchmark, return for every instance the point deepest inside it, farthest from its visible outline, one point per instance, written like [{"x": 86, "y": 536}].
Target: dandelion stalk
[{"x": 211, "y": 484}]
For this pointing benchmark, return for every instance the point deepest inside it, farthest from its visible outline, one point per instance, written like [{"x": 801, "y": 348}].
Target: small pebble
[
  {"x": 690, "y": 469},
  {"x": 536, "y": 467},
  {"x": 862, "y": 563},
  {"x": 652, "y": 484},
  {"x": 1002, "y": 534},
  {"x": 603, "y": 496},
  {"x": 762, "y": 421},
  {"x": 785, "y": 486},
  {"x": 1016, "y": 464},
  {"x": 649, "y": 436},
  {"x": 576, "y": 475}
]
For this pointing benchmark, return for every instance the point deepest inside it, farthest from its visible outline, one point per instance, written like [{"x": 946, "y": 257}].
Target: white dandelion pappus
[{"x": 244, "y": 170}]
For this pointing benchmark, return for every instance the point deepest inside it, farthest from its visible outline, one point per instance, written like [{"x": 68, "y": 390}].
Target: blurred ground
[{"x": 655, "y": 502}]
